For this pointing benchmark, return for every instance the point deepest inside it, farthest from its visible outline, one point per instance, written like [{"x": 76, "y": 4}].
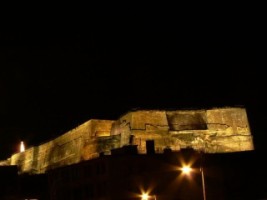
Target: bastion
[{"x": 215, "y": 130}]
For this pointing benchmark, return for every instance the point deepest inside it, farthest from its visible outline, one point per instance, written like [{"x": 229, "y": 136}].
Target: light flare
[
  {"x": 186, "y": 170},
  {"x": 22, "y": 146},
  {"x": 145, "y": 196}
]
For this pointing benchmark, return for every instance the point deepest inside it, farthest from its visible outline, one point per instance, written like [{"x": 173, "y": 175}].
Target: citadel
[{"x": 215, "y": 130}]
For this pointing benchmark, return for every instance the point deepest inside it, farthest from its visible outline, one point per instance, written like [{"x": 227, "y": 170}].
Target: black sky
[{"x": 62, "y": 65}]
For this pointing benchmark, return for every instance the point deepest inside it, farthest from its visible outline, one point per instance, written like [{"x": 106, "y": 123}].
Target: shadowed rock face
[{"x": 215, "y": 130}]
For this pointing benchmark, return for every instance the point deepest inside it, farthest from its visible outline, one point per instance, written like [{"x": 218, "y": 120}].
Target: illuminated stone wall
[
  {"x": 82, "y": 143},
  {"x": 214, "y": 130}
]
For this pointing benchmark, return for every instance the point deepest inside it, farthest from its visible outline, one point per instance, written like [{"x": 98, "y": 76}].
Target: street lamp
[
  {"x": 187, "y": 170},
  {"x": 203, "y": 182},
  {"x": 202, "y": 174},
  {"x": 145, "y": 196}
]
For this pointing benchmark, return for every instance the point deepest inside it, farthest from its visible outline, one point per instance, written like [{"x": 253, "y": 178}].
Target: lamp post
[
  {"x": 187, "y": 170},
  {"x": 202, "y": 175},
  {"x": 203, "y": 182}
]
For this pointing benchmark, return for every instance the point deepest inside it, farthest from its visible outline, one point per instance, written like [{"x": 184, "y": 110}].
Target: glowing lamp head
[
  {"x": 22, "y": 146},
  {"x": 145, "y": 196},
  {"x": 186, "y": 170}
]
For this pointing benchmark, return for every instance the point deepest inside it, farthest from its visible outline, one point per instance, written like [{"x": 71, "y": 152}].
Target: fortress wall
[
  {"x": 115, "y": 128},
  {"x": 157, "y": 126},
  {"x": 188, "y": 139},
  {"x": 215, "y": 130},
  {"x": 24, "y": 160},
  {"x": 34, "y": 159},
  {"x": 90, "y": 146},
  {"x": 230, "y": 130},
  {"x": 89, "y": 149},
  {"x": 14, "y": 158},
  {"x": 122, "y": 127},
  {"x": 43, "y": 158},
  {"x": 5, "y": 162},
  {"x": 162, "y": 139},
  {"x": 127, "y": 118},
  {"x": 187, "y": 120},
  {"x": 228, "y": 121},
  {"x": 101, "y": 128},
  {"x": 142, "y": 119},
  {"x": 188, "y": 128},
  {"x": 142, "y": 125},
  {"x": 95, "y": 146},
  {"x": 72, "y": 147},
  {"x": 66, "y": 149},
  {"x": 230, "y": 144}
]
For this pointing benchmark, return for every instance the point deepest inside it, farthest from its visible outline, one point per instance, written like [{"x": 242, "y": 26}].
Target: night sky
[{"x": 62, "y": 65}]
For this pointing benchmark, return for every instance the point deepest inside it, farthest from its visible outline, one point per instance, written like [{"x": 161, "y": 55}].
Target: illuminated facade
[{"x": 215, "y": 130}]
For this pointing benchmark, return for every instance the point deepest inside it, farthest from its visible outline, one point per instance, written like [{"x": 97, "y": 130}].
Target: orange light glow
[
  {"x": 22, "y": 146},
  {"x": 145, "y": 196},
  {"x": 186, "y": 170}
]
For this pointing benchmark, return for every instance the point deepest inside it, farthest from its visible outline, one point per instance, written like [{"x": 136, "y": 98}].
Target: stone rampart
[
  {"x": 216, "y": 130},
  {"x": 69, "y": 148}
]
